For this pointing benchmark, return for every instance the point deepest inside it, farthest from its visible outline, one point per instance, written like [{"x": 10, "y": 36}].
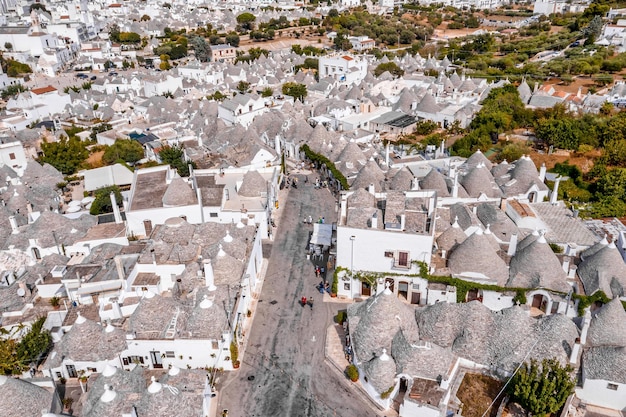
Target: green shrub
[
  {"x": 352, "y": 372},
  {"x": 386, "y": 394},
  {"x": 341, "y": 316},
  {"x": 234, "y": 351},
  {"x": 321, "y": 159},
  {"x": 520, "y": 297}
]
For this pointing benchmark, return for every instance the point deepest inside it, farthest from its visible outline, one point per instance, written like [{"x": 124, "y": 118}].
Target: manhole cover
[
  {"x": 273, "y": 302},
  {"x": 251, "y": 378}
]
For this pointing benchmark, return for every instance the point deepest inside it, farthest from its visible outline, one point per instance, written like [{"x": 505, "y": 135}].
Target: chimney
[
  {"x": 566, "y": 264},
  {"x": 542, "y": 172},
  {"x": 116, "y": 209},
  {"x": 512, "y": 245},
  {"x": 375, "y": 221},
  {"x": 120, "y": 268},
  {"x": 402, "y": 221},
  {"x": 555, "y": 192},
  {"x": 209, "y": 277},
  {"x": 455, "y": 186},
  {"x": 29, "y": 208},
  {"x": 416, "y": 184},
  {"x": 387, "y": 154},
  {"x": 277, "y": 144},
  {"x": 371, "y": 189},
  {"x": 13, "y": 222}
]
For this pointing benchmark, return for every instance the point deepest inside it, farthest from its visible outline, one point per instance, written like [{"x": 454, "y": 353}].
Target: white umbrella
[
  {"x": 74, "y": 203},
  {"x": 87, "y": 200},
  {"x": 73, "y": 209}
]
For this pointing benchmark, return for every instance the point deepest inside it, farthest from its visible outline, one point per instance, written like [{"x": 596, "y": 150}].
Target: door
[
  {"x": 156, "y": 359},
  {"x": 366, "y": 289},
  {"x": 416, "y": 297},
  {"x": 71, "y": 371},
  {"x": 537, "y": 299},
  {"x": 391, "y": 283},
  {"x": 403, "y": 290}
]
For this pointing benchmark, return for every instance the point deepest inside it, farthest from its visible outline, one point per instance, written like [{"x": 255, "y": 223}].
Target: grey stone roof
[
  {"x": 523, "y": 176},
  {"x": 381, "y": 372},
  {"x": 351, "y": 159},
  {"x": 536, "y": 266},
  {"x": 369, "y": 174},
  {"x": 608, "y": 325},
  {"x": 422, "y": 360},
  {"x": 178, "y": 194},
  {"x": 499, "y": 223},
  {"x": 476, "y": 255},
  {"x": 153, "y": 315},
  {"x": 371, "y": 328},
  {"x": 253, "y": 184},
  {"x": 607, "y": 363},
  {"x": 428, "y": 104},
  {"x": 22, "y": 398},
  {"x": 435, "y": 180},
  {"x": 476, "y": 158},
  {"x": 128, "y": 385},
  {"x": 480, "y": 181},
  {"x": 501, "y": 339},
  {"x": 88, "y": 342},
  {"x": 401, "y": 180},
  {"x": 451, "y": 238},
  {"x": 604, "y": 270}
]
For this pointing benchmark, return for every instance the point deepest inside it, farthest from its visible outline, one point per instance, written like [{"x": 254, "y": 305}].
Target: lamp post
[{"x": 352, "y": 239}]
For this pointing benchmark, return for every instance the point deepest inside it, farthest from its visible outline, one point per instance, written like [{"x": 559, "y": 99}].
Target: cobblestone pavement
[{"x": 283, "y": 371}]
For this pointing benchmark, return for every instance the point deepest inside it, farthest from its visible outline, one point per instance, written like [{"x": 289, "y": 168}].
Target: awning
[
  {"x": 100, "y": 287},
  {"x": 322, "y": 234}
]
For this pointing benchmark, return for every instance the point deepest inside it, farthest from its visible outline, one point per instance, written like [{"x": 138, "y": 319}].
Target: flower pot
[
  {"x": 236, "y": 364},
  {"x": 333, "y": 295}
]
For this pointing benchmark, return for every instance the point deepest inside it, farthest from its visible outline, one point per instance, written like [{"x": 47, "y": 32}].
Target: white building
[
  {"x": 12, "y": 154},
  {"x": 345, "y": 68},
  {"x": 393, "y": 240},
  {"x": 241, "y": 109}
]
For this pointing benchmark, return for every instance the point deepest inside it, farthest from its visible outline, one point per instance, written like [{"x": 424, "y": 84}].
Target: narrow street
[{"x": 283, "y": 372}]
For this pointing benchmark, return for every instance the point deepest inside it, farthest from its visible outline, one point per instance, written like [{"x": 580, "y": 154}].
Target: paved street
[{"x": 283, "y": 372}]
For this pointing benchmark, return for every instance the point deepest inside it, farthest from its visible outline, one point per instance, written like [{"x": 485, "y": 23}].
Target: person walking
[
  {"x": 303, "y": 301},
  {"x": 311, "y": 302}
]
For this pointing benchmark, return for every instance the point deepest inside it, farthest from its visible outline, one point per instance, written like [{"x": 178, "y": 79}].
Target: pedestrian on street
[
  {"x": 303, "y": 301},
  {"x": 311, "y": 303}
]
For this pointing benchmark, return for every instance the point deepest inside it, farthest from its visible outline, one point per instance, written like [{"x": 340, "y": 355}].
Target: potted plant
[
  {"x": 236, "y": 364},
  {"x": 67, "y": 403},
  {"x": 55, "y": 302},
  {"x": 333, "y": 286},
  {"x": 352, "y": 372},
  {"x": 234, "y": 354},
  {"x": 62, "y": 380}
]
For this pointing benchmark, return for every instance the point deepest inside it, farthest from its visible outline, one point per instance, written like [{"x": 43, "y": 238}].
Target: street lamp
[{"x": 352, "y": 239}]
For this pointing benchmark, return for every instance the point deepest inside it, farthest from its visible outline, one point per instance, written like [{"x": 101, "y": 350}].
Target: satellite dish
[{"x": 21, "y": 292}]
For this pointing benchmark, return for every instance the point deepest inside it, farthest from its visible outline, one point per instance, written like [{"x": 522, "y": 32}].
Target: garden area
[{"x": 477, "y": 391}]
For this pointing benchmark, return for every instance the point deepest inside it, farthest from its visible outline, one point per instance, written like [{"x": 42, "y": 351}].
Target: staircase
[{"x": 171, "y": 329}]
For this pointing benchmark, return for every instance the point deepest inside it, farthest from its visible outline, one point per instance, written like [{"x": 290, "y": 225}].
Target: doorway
[
  {"x": 391, "y": 282},
  {"x": 366, "y": 288},
  {"x": 157, "y": 363},
  {"x": 71, "y": 371},
  {"x": 403, "y": 290}
]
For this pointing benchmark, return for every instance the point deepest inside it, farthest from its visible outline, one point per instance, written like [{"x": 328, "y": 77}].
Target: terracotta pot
[{"x": 333, "y": 295}]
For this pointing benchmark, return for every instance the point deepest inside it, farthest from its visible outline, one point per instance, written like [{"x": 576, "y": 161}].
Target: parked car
[
  {"x": 82, "y": 76},
  {"x": 112, "y": 74},
  {"x": 93, "y": 77}
]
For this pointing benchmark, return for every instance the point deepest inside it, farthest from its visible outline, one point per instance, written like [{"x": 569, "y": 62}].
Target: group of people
[
  {"x": 307, "y": 301},
  {"x": 323, "y": 286}
]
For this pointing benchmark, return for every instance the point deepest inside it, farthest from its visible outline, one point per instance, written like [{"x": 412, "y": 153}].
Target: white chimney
[
  {"x": 555, "y": 192},
  {"x": 371, "y": 189},
  {"x": 542, "y": 172},
  {"x": 455, "y": 186},
  {"x": 29, "y": 208},
  {"x": 512, "y": 245},
  {"x": 277, "y": 144},
  {"x": 387, "y": 154},
  {"x": 116, "y": 209},
  {"x": 416, "y": 184},
  {"x": 375, "y": 221},
  {"x": 402, "y": 221},
  {"x": 566, "y": 265},
  {"x": 13, "y": 222},
  {"x": 209, "y": 277}
]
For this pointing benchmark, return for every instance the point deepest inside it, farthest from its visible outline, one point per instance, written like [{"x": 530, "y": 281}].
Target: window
[
  {"x": 403, "y": 259},
  {"x": 212, "y": 214},
  {"x": 133, "y": 359},
  {"x": 11, "y": 156},
  {"x": 215, "y": 345},
  {"x": 389, "y": 254},
  {"x": 250, "y": 107},
  {"x": 612, "y": 387},
  {"x": 170, "y": 354}
]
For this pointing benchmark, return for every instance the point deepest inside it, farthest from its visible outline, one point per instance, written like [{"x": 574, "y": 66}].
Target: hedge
[{"x": 321, "y": 159}]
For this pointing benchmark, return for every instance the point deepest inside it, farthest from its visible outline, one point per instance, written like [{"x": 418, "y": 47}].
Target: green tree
[
  {"x": 542, "y": 388},
  {"x": 125, "y": 150},
  {"x": 243, "y": 86},
  {"x": 102, "y": 203},
  {"x": 267, "y": 92},
  {"x": 232, "y": 39},
  {"x": 295, "y": 90},
  {"x": 200, "y": 47},
  {"x": 145, "y": 18},
  {"x": 8, "y": 46},
  {"x": 12, "y": 90},
  {"x": 66, "y": 155},
  {"x": 246, "y": 21},
  {"x": 392, "y": 67},
  {"x": 175, "y": 157}
]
